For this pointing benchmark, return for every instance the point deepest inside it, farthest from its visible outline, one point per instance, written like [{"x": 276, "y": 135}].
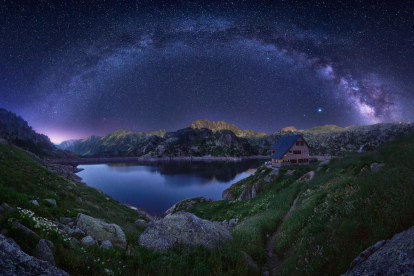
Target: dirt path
[{"x": 273, "y": 262}]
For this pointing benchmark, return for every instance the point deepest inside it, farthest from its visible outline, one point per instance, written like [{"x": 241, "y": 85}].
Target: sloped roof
[{"x": 282, "y": 145}]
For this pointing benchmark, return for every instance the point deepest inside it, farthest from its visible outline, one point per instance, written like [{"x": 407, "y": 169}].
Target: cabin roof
[{"x": 283, "y": 144}]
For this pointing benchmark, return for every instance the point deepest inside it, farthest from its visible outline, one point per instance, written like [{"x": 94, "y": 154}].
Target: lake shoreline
[{"x": 96, "y": 160}]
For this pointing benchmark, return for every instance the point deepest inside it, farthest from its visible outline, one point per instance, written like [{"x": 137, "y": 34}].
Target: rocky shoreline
[{"x": 146, "y": 159}]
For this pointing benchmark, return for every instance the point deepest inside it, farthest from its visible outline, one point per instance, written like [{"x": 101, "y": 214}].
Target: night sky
[{"x": 78, "y": 68}]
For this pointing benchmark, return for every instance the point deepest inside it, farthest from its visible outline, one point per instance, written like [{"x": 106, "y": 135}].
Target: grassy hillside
[
  {"x": 344, "y": 209},
  {"x": 23, "y": 178},
  {"x": 339, "y": 213}
]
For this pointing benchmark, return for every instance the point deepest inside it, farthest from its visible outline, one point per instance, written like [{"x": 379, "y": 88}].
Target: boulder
[
  {"x": 185, "y": 228},
  {"x": 52, "y": 201},
  {"x": 375, "y": 167},
  {"x": 255, "y": 189},
  {"x": 307, "y": 176},
  {"x": 227, "y": 195},
  {"x": 391, "y": 257},
  {"x": 326, "y": 162},
  {"x": 88, "y": 241},
  {"x": 14, "y": 261},
  {"x": 141, "y": 222},
  {"x": 274, "y": 172},
  {"x": 34, "y": 202},
  {"x": 245, "y": 194},
  {"x": 289, "y": 172},
  {"x": 102, "y": 231},
  {"x": 44, "y": 252},
  {"x": 106, "y": 245},
  {"x": 66, "y": 220},
  {"x": 78, "y": 234},
  {"x": 24, "y": 229}
]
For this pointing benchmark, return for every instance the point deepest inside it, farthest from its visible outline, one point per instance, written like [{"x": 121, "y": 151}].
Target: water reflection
[{"x": 156, "y": 187}]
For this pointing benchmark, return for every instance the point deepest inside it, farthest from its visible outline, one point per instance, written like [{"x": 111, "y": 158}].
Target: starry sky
[{"x": 78, "y": 68}]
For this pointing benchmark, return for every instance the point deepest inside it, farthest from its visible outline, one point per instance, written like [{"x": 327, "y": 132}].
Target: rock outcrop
[
  {"x": 14, "y": 261},
  {"x": 185, "y": 228},
  {"x": 391, "y": 257},
  {"x": 43, "y": 251},
  {"x": 101, "y": 231},
  {"x": 186, "y": 204}
]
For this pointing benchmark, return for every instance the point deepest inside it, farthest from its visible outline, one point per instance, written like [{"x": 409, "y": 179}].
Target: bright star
[{"x": 319, "y": 110}]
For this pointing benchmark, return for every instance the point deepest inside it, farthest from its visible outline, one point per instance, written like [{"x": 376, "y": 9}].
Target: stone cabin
[{"x": 290, "y": 150}]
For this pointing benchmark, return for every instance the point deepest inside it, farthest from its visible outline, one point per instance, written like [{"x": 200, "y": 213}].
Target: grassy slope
[
  {"x": 339, "y": 213},
  {"x": 23, "y": 179}
]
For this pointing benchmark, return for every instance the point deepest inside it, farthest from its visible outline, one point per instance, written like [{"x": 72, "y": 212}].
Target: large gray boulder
[
  {"x": 102, "y": 231},
  {"x": 43, "y": 251},
  {"x": 391, "y": 257},
  {"x": 14, "y": 261},
  {"x": 186, "y": 228}
]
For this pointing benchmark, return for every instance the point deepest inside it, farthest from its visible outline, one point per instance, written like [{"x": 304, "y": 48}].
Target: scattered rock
[
  {"x": 233, "y": 222},
  {"x": 102, "y": 231},
  {"x": 141, "y": 222},
  {"x": 268, "y": 204},
  {"x": 245, "y": 194},
  {"x": 14, "y": 261},
  {"x": 318, "y": 169},
  {"x": 255, "y": 189},
  {"x": 78, "y": 234},
  {"x": 274, "y": 172},
  {"x": 106, "y": 244},
  {"x": 52, "y": 201},
  {"x": 107, "y": 198},
  {"x": 391, "y": 257},
  {"x": 5, "y": 206},
  {"x": 34, "y": 202},
  {"x": 24, "y": 229},
  {"x": 43, "y": 252},
  {"x": 69, "y": 187},
  {"x": 263, "y": 171},
  {"x": 66, "y": 220},
  {"x": 328, "y": 169},
  {"x": 289, "y": 172},
  {"x": 73, "y": 240},
  {"x": 326, "y": 162},
  {"x": 183, "y": 227},
  {"x": 68, "y": 230},
  {"x": 306, "y": 177},
  {"x": 227, "y": 195},
  {"x": 375, "y": 167},
  {"x": 88, "y": 241},
  {"x": 268, "y": 179},
  {"x": 250, "y": 261},
  {"x": 79, "y": 199}
]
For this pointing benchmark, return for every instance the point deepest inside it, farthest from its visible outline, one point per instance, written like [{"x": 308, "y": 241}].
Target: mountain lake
[{"x": 155, "y": 187}]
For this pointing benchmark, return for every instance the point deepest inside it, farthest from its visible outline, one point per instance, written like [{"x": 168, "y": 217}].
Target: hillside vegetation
[
  {"x": 116, "y": 143},
  {"x": 343, "y": 210}
]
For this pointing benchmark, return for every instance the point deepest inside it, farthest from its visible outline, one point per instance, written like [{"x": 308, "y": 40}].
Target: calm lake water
[{"x": 156, "y": 187}]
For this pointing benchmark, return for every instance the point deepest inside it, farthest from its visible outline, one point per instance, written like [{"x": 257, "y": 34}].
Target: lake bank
[
  {"x": 100, "y": 160},
  {"x": 155, "y": 187}
]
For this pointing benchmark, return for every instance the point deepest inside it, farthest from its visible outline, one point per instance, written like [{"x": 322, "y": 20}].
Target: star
[{"x": 320, "y": 110}]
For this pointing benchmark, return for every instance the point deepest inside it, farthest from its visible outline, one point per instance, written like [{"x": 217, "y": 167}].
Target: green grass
[
  {"x": 348, "y": 209},
  {"x": 23, "y": 179},
  {"x": 338, "y": 214}
]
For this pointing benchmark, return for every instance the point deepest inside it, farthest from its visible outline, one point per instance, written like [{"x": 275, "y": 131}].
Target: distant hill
[
  {"x": 115, "y": 143},
  {"x": 16, "y": 130},
  {"x": 194, "y": 142},
  {"x": 221, "y": 125},
  {"x": 334, "y": 140}
]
